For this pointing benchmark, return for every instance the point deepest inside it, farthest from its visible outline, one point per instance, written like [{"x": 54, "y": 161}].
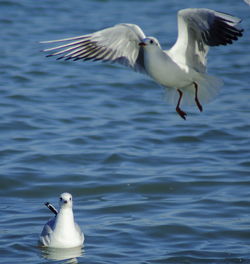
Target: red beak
[{"x": 142, "y": 44}]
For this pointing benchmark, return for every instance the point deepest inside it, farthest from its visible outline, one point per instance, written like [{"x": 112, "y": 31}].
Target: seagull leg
[
  {"x": 178, "y": 109},
  {"x": 196, "y": 97}
]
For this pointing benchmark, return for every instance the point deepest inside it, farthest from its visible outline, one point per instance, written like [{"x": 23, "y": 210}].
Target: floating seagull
[
  {"x": 62, "y": 231},
  {"x": 181, "y": 69}
]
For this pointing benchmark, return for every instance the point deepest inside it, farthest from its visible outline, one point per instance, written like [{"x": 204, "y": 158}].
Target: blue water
[{"x": 148, "y": 187}]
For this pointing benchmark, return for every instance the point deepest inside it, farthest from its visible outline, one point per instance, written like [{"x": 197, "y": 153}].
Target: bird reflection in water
[{"x": 70, "y": 255}]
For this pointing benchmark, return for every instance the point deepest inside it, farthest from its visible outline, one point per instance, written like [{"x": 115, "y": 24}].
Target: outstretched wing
[
  {"x": 197, "y": 30},
  {"x": 119, "y": 43}
]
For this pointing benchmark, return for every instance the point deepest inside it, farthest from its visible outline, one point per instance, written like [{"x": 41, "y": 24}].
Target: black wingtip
[
  {"x": 241, "y": 32},
  {"x": 221, "y": 33},
  {"x": 51, "y": 207}
]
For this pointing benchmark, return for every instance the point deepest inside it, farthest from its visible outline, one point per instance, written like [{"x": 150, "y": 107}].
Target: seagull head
[
  {"x": 65, "y": 200},
  {"x": 150, "y": 42}
]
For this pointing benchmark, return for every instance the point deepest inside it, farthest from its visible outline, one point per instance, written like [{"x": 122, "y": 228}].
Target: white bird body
[
  {"x": 181, "y": 69},
  {"x": 62, "y": 231},
  {"x": 163, "y": 69}
]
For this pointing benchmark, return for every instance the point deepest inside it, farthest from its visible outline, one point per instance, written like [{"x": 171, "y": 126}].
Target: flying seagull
[
  {"x": 62, "y": 231},
  {"x": 180, "y": 69}
]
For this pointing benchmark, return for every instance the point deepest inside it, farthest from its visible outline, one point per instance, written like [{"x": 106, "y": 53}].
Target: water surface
[{"x": 148, "y": 187}]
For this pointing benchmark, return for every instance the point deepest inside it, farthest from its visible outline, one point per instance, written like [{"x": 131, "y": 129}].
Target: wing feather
[
  {"x": 116, "y": 44},
  {"x": 199, "y": 29}
]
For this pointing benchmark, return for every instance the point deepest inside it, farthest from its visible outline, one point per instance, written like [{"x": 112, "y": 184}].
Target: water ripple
[{"x": 148, "y": 187}]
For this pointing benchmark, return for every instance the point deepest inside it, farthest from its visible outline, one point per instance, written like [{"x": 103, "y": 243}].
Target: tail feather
[{"x": 208, "y": 89}]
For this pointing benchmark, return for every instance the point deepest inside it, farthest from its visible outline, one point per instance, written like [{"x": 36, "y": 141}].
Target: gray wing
[
  {"x": 200, "y": 28},
  {"x": 119, "y": 43},
  {"x": 47, "y": 231},
  {"x": 79, "y": 231}
]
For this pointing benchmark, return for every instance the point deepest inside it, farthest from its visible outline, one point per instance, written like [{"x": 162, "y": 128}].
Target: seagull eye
[{"x": 151, "y": 41}]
